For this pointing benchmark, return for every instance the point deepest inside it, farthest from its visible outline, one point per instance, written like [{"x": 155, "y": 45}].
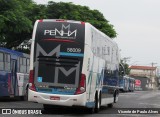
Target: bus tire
[{"x": 97, "y": 102}]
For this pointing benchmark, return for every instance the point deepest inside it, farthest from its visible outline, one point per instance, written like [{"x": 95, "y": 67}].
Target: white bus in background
[{"x": 72, "y": 64}]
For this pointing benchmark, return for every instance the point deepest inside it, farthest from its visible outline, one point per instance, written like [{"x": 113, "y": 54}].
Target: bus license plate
[{"x": 54, "y": 98}]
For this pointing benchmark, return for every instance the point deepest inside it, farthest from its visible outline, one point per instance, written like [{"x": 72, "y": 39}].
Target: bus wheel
[{"x": 97, "y": 102}]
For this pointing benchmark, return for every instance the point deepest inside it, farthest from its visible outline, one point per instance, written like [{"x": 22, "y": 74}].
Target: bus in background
[
  {"x": 72, "y": 64},
  {"x": 121, "y": 84},
  {"x": 131, "y": 84},
  {"x": 126, "y": 83},
  {"x": 14, "y": 73},
  {"x": 121, "y": 78}
]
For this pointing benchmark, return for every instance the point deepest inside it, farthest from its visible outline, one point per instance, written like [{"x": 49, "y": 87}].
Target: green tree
[
  {"x": 71, "y": 11},
  {"x": 18, "y": 16},
  {"x": 15, "y": 26},
  {"x": 37, "y": 12}
]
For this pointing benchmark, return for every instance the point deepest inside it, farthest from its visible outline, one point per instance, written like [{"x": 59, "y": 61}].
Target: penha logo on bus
[{"x": 64, "y": 33}]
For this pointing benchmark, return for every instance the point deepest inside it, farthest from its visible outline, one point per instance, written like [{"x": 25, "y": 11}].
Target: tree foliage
[
  {"x": 18, "y": 16},
  {"x": 70, "y": 11},
  {"x": 16, "y": 26}
]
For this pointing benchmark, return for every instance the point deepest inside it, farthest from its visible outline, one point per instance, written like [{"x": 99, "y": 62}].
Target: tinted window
[
  {"x": 7, "y": 62},
  {"x": 1, "y": 61}
]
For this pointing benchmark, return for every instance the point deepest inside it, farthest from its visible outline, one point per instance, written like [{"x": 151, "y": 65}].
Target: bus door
[{"x": 13, "y": 77}]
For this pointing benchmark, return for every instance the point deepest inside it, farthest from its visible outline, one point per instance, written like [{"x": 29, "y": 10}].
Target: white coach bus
[{"x": 72, "y": 64}]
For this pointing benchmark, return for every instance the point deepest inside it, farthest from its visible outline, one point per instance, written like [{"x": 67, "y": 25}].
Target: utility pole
[
  {"x": 152, "y": 67},
  {"x": 153, "y": 64},
  {"x": 153, "y": 76}
]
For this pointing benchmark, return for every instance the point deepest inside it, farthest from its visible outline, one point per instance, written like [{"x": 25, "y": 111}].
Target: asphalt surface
[{"x": 138, "y": 102}]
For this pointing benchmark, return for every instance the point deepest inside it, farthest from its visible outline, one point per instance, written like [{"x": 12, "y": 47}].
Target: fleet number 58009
[{"x": 76, "y": 50}]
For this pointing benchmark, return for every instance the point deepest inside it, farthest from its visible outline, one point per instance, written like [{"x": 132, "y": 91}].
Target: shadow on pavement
[
  {"x": 73, "y": 111},
  {"x": 65, "y": 110},
  {"x": 9, "y": 99}
]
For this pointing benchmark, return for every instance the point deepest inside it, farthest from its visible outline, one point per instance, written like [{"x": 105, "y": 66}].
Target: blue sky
[{"x": 137, "y": 23}]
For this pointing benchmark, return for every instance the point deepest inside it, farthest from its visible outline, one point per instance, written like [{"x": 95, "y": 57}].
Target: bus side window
[
  {"x": 22, "y": 65},
  {"x": 1, "y": 61},
  {"x": 28, "y": 63},
  {"x": 18, "y": 65},
  {"x": 7, "y": 62}
]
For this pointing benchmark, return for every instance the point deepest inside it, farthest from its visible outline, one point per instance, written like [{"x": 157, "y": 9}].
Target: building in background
[{"x": 147, "y": 75}]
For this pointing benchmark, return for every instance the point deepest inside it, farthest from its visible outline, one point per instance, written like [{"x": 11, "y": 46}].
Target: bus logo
[
  {"x": 65, "y": 72},
  {"x": 54, "y": 51},
  {"x": 65, "y": 32}
]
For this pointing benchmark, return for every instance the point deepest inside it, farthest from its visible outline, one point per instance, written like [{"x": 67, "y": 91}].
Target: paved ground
[{"x": 134, "y": 101}]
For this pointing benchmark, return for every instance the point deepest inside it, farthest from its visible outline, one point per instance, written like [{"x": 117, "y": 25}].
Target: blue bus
[
  {"x": 122, "y": 78},
  {"x": 131, "y": 84},
  {"x": 121, "y": 84},
  {"x": 14, "y": 73},
  {"x": 126, "y": 84}
]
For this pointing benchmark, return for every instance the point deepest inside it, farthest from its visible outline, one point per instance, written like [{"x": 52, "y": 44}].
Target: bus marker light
[
  {"x": 83, "y": 23},
  {"x": 60, "y": 20},
  {"x": 40, "y": 20},
  {"x": 31, "y": 81}
]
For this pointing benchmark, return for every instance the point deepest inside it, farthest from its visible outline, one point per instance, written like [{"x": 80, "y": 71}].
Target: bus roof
[
  {"x": 60, "y": 20},
  {"x": 11, "y": 51}
]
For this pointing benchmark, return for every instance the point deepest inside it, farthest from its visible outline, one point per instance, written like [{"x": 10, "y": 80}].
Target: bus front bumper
[{"x": 54, "y": 99}]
